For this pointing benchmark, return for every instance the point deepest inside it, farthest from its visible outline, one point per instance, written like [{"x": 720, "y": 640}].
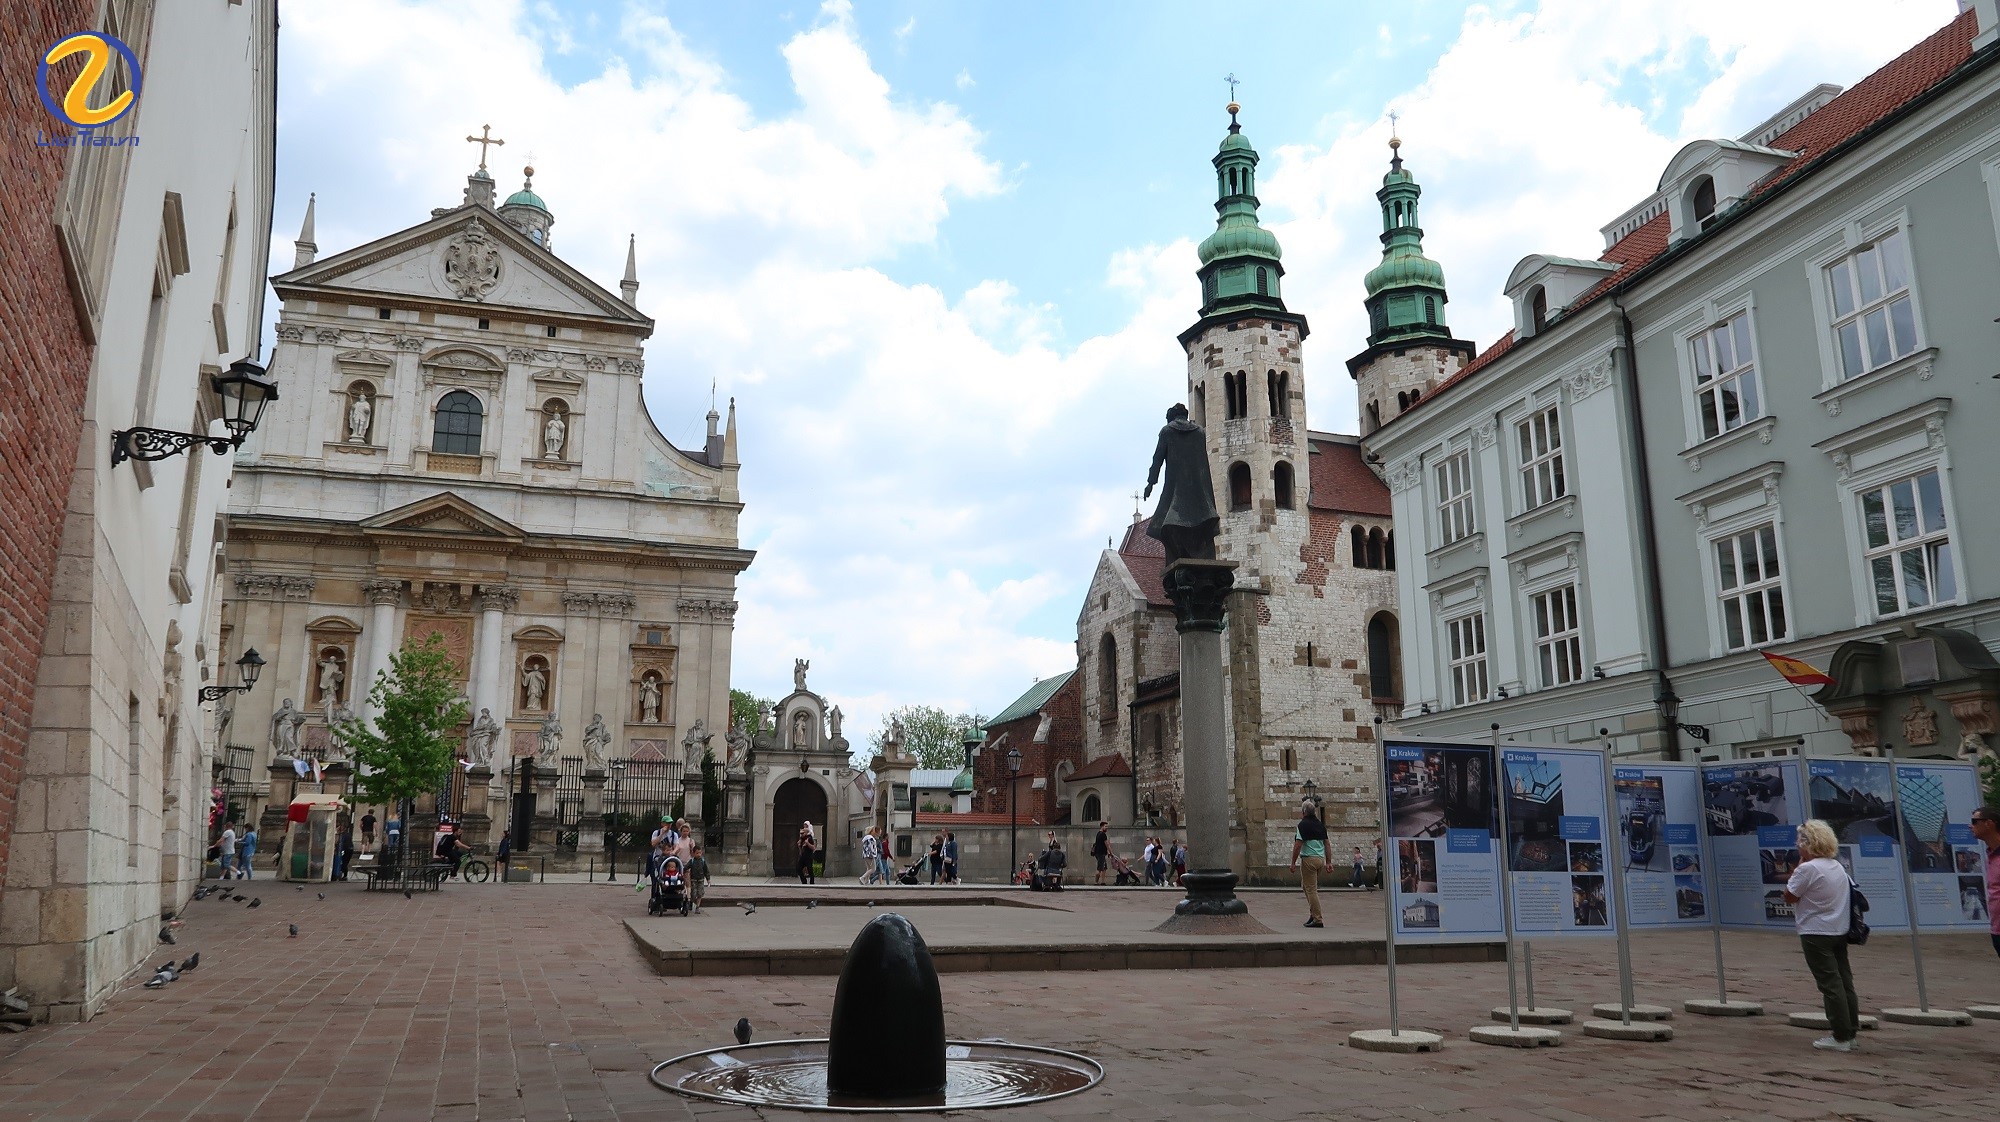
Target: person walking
[
  {"x": 697, "y": 879},
  {"x": 1818, "y": 894},
  {"x": 368, "y": 832},
  {"x": 1360, "y": 867},
  {"x": 885, "y": 859},
  {"x": 1309, "y": 849},
  {"x": 1100, "y": 848},
  {"x": 871, "y": 848},
  {"x": 1986, "y": 827},
  {"x": 1146, "y": 858},
  {"x": 937, "y": 856},
  {"x": 808, "y": 849},
  {"x": 1177, "y": 861},
  {"x": 249, "y": 851},
  {"x": 225, "y": 851},
  {"x": 950, "y": 857},
  {"x": 500, "y": 856},
  {"x": 392, "y": 832},
  {"x": 1376, "y": 881}
]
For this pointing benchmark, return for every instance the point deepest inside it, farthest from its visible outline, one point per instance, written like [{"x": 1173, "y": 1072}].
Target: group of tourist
[
  {"x": 1160, "y": 862},
  {"x": 673, "y": 840},
  {"x": 234, "y": 852},
  {"x": 944, "y": 857}
]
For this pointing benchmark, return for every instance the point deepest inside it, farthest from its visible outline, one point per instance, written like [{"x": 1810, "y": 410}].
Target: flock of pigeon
[{"x": 168, "y": 972}]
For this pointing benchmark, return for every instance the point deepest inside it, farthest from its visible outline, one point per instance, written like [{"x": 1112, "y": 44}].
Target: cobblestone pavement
[{"x": 528, "y": 1002}]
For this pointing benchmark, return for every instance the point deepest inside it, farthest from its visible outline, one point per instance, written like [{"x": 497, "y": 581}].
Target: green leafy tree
[
  {"x": 414, "y": 743},
  {"x": 936, "y": 738},
  {"x": 744, "y": 708},
  {"x": 1989, "y": 778}
]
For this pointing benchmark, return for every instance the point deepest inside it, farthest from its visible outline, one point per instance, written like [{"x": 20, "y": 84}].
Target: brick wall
[
  {"x": 1038, "y": 761},
  {"x": 46, "y": 373}
]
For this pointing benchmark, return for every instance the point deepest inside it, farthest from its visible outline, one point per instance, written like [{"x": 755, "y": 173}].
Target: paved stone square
[{"x": 530, "y": 1002}]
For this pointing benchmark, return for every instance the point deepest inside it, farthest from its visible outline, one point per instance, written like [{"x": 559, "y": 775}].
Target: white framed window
[
  {"x": 1907, "y": 544},
  {"x": 1558, "y": 635},
  {"x": 1542, "y": 478},
  {"x": 1454, "y": 488},
  {"x": 1873, "y": 310},
  {"x": 1465, "y": 655},
  {"x": 1726, "y": 394},
  {"x": 1750, "y": 583}
]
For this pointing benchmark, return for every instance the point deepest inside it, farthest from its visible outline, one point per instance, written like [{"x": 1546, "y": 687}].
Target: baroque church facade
[
  {"x": 463, "y": 449},
  {"x": 1313, "y": 633}
]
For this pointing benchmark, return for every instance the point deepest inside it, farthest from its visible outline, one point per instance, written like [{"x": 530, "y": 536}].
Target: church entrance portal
[{"x": 798, "y": 800}]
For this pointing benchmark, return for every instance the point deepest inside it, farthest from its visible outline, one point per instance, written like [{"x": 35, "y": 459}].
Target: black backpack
[{"x": 1857, "y": 906}]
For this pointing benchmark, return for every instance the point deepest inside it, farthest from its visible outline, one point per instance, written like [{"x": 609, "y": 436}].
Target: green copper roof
[
  {"x": 1406, "y": 293},
  {"x": 1037, "y": 696},
  {"x": 963, "y": 782},
  {"x": 1240, "y": 260},
  {"x": 526, "y": 197}
]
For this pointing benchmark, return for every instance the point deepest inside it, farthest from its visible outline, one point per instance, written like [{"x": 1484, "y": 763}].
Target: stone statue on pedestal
[
  {"x": 802, "y": 730},
  {"x": 649, "y": 700},
  {"x": 799, "y": 666},
  {"x": 535, "y": 681},
  {"x": 834, "y": 718},
  {"x": 551, "y": 749},
  {"x": 1185, "y": 522},
  {"x": 479, "y": 742},
  {"x": 358, "y": 415},
  {"x": 596, "y": 738},
  {"x": 553, "y": 434},
  {"x": 693, "y": 746},
  {"x": 285, "y": 726},
  {"x": 739, "y": 748}
]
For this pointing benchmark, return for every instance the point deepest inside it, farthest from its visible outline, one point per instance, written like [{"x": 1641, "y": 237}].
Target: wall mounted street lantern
[
  {"x": 245, "y": 391},
  {"x": 1312, "y": 791},
  {"x": 250, "y": 667},
  {"x": 1670, "y": 708}
]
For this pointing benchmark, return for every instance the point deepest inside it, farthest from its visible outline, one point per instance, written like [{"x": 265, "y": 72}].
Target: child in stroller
[
  {"x": 913, "y": 874},
  {"x": 670, "y": 892},
  {"x": 1124, "y": 870}
]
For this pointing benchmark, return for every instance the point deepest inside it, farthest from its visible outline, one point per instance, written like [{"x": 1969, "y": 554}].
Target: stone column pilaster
[
  {"x": 489, "y": 672},
  {"x": 1199, "y": 590},
  {"x": 384, "y": 597}
]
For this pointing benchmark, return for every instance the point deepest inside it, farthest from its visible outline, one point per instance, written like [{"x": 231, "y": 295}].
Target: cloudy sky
[{"x": 939, "y": 251}]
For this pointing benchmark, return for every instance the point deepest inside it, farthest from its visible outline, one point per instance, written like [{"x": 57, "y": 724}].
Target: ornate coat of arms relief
[{"x": 472, "y": 263}]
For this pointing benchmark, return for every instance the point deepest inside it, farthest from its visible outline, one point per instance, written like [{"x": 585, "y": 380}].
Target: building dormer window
[
  {"x": 1701, "y": 204},
  {"x": 1538, "y": 309}
]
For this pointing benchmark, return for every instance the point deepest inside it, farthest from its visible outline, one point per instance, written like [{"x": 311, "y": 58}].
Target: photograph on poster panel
[
  {"x": 1852, "y": 796},
  {"x": 1658, "y": 846},
  {"x": 1751, "y": 813},
  {"x": 1444, "y": 876},
  {"x": 1556, "y": 829},
  {"x": 1947, "y": 864}
]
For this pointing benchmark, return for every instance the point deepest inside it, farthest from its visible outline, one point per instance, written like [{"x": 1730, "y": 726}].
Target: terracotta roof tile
[
  {"x": 1146, "y": 558},
  {"x": 946, "y": 819},
  {"x": 1859, "y": 106},
  {"x": 1103, "y": 767},
  {"x": 1341, "y": 481}
]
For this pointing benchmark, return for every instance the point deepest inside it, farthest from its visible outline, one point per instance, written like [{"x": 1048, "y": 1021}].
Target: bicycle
[{"x": 476, "y": 871}]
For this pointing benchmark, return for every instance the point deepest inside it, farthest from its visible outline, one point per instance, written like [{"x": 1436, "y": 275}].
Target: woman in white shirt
[{"x": 1817, "y": 893}]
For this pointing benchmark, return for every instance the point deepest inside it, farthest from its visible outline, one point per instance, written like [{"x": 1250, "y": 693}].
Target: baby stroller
[
  {"x": 914, "y": 873},
  {"x": 1124, "y": 870},
  {"x": 669, "y": 889}
]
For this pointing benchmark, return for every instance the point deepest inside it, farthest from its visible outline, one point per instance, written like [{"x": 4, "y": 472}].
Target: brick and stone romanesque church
[
  {"x": 1314, "y": 632},
  {"x": 463, "y": 449}
]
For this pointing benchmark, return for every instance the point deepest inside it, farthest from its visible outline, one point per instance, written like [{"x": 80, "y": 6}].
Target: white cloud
[
  {"x": 964, "y": 80},
  {"x": 928, "y": 475}
]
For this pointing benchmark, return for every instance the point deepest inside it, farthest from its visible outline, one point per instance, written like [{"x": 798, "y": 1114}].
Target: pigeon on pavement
[
  {"x": 321, "y": 895},
  {"x": 406, "y": 894},
  {"x": 300, "y": 888},
  {"x": 749, "y": 909},
  {"x": 193, "y": 961},
  {"x": 239, "y": 897},
  {"x": 811, "y": 904},
  {"x": 165, "y": 975},
  {"x": 255, "y": 902},
  {"x": 167, "y": 936},
  {"x": 743, "y": 1030},
  {"x": 294, "y": 928}
]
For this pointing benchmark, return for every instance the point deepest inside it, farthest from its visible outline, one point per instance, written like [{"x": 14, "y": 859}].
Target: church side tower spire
[
  {"x": 629, "y": 287},
  {"x": 1410, "y": 348},
  {"x": 306, "y": 249}
]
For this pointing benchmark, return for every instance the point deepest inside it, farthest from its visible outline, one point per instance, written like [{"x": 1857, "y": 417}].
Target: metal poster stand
[
  {"x": 1923, "y": 1014},
  {"x": 1395, "y": 1039},
  {"x": 1650, "y": 1027},
  {"x": 1513, "y": 1035},
  {"x": 1722, "y": 1006}
]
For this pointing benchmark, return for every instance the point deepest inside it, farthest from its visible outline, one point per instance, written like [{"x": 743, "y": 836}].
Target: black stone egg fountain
[{"x": 886, "y": 1049}]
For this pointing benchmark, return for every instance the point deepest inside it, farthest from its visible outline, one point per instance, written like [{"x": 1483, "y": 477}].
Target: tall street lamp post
[
  {"x": 1013, "y": 817},
  {"x": 617, "y": 817}
]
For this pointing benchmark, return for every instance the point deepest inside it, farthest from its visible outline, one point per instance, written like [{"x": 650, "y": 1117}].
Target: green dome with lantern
[
  {"x": 1241, "y": 262},
  {"x": 1406, "y": 293}
]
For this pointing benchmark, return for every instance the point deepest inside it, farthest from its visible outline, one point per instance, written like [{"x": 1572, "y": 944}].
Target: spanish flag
[{"x": 1796, "y": 672}]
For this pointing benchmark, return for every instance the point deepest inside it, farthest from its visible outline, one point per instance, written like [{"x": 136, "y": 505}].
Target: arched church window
[
  {"x": 1107, "y": 678},
  {"x": 1382, "y": 684},
  {"x": 1281, "y": 484},
  {"x": 1389, "y": 550},
  {"x": 1431, "y": 310},
  {"x": 1093, "y": 808},
  {"x": 1402, "y": 401},
  {"x": 1239, "y": 486},
  {"x": 459, "y": 420},
  {"x": 1242, "y": 393},
  {"x": 1263, "y": 281},
  {"x": 1201, "y": 406},
  {"x": 1374, "y": 549},
  {"x": 1358, "y": 548}
]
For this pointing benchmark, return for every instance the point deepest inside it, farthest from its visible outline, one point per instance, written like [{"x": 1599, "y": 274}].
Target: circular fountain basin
[{"x": 791, "y": 1075}]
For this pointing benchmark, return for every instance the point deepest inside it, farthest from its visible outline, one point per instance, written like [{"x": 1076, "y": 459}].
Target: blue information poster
[
  {"x": 1751, "y": 813},
  {"x": 1947, "y": 864},
  {"x": 1557, "y": 829},
  {"x": 1444, "y": 882},
  {"x": 1852, "y": 795},
  {"x": 1658, "y": 845}
]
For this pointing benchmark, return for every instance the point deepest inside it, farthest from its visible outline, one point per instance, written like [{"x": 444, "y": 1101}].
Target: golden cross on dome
[{"x": 484, "y": 138}]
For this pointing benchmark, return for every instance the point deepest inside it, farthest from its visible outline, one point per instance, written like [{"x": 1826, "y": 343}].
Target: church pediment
[
  {"x": 443, "y": 514},
  {"x": 467, "y": 255}
]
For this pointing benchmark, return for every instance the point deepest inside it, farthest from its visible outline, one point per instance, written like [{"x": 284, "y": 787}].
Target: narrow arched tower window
[
  {"x": 1239, "y": 486},
  {"x": 1263, "y": 281},
  {"x": 1702, "y": 204},
  {"x": 1389, "y": 550},
  {"x": 1431, "y": 310},
  {"x": 1281, "y": 484},
  {"x": 1538, "y": 308},
  {"x": 1107, "y": 678},
  {"x": 1382, "y": 684},
  {"x": 1359, "y": 547},
  {"x": 1374, "y": 549},
  {"x": 459, "y": 420}
]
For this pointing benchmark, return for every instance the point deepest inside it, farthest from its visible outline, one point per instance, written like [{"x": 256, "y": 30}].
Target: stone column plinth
[
  {"x": 1199, "y": 590},
  {"x": 544, "y": 828},
  {"x": 589, "y": 829}
]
